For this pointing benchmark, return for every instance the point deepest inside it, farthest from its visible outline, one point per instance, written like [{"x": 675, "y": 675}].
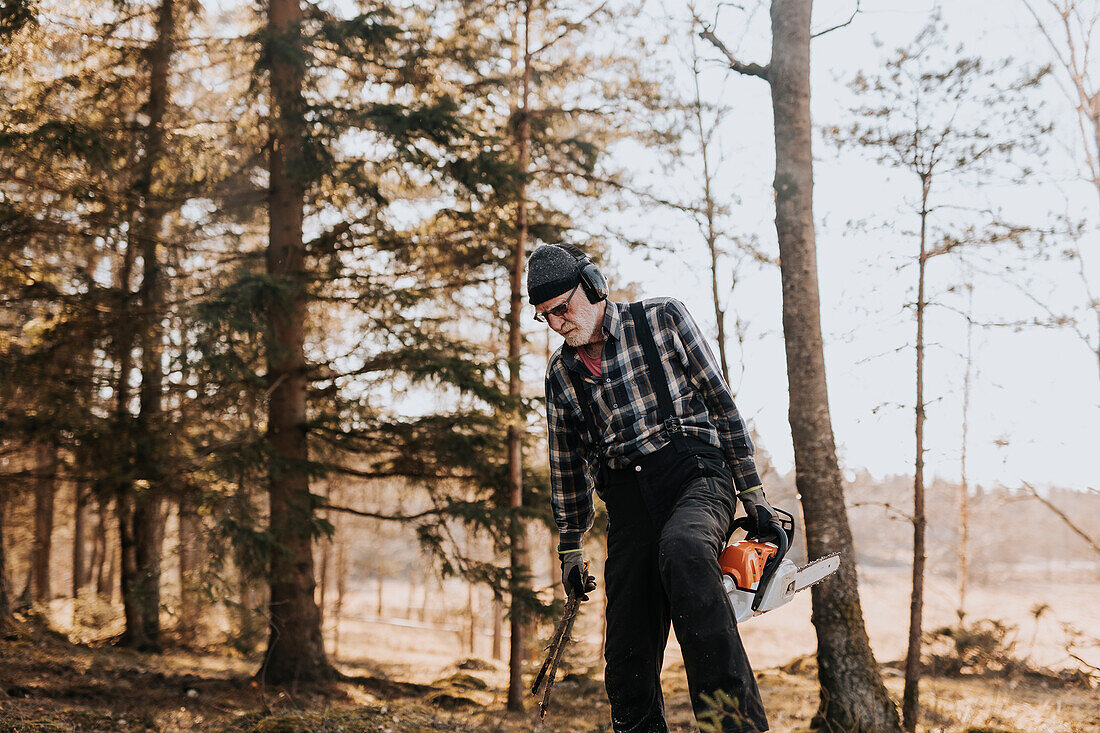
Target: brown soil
[{"x": 47, "y": 684}]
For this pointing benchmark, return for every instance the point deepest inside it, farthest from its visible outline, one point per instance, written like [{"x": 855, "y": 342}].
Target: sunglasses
[{"x": 558, "y": 310}]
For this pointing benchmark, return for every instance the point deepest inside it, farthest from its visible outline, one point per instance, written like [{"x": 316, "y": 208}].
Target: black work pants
[{"x": 670, "y": 515}]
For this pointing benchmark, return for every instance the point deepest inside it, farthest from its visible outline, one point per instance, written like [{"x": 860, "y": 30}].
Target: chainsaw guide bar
[{"x": 813, "y": 573}]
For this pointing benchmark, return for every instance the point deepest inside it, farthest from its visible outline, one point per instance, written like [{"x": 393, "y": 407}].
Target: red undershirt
[{"x": 594, "y": 363}]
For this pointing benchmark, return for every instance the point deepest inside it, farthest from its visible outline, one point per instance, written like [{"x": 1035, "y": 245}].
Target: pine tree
[
  {"x": 63, "y": 163},
  {"x": 88, "y": 134},
  {"x": 415, "y": 141},
  {"x": 563, "y": 101}
]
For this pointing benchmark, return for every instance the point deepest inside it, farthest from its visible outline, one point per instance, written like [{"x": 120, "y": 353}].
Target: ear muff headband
[{"x": 592, "y": 281}]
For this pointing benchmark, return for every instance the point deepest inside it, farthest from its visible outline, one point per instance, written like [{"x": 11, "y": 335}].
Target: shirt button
[
  {"x": 607, "y": 380},
  {"x": 614, "y": 406},
  {"x": 637, "y": 468}
]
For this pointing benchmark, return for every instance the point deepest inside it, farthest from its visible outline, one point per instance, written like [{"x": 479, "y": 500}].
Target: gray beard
[
  {"x": 581, "y": 336},
  {"x": 577, "y": 339}
]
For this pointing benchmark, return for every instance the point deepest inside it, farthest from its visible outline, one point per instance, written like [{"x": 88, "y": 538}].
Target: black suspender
[{"x": 666, "y": 413}]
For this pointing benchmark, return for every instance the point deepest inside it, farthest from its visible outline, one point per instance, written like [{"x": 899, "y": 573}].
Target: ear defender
[{"x": 593, "y": 282}]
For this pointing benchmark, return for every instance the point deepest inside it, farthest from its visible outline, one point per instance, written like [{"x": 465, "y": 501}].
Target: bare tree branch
[
  {"x": 1061, "y": 515},
  {"x": 569, "y": 27},
  {"x": 890, "y": 509},
  {"x": 855, "y": 12},
  {"x": 386, "y": 517},
  {"x": 747, "y": 69},
  {"x": 1082, "y": 662},
  {"x": 620, "y": 186}
]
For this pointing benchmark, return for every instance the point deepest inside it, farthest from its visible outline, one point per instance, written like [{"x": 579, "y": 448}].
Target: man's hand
[
  {"x": 574, "y": 575},
  {"x": 759, "y": 510}
]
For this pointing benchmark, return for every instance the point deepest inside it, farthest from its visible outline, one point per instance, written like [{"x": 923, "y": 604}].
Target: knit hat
[{"x": 552, "y": 270}]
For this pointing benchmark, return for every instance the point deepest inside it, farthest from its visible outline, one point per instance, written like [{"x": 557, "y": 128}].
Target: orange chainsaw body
[{"x": 744, "y": 562}]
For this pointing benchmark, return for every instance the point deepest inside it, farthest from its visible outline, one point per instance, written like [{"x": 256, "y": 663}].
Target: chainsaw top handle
[{"x": 780, "y": 530}]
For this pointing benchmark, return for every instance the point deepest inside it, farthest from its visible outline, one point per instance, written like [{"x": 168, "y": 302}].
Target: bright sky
[{"x": 1035, "y": 400}]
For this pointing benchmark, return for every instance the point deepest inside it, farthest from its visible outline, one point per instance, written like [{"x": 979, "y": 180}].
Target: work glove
[
  {"x": 574, "y": 575},
  {"x": 759, "y": 511}
]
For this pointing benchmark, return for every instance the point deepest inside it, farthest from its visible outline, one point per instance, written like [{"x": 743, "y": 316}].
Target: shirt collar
[{"x": 613, "y": 320}]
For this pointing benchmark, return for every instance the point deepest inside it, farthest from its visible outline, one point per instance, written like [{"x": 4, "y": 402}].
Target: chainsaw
[{"x": 758, "y": 576}]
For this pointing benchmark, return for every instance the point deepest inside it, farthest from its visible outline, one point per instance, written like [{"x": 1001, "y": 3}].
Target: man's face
[{"x": 581, "y": 322}]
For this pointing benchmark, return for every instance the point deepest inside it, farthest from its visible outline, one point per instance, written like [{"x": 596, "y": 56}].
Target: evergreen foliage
[{"x": 410, "y": 184}]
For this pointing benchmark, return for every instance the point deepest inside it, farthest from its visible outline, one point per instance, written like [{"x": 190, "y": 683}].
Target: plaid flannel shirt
[{"x": 625, "y": 408}]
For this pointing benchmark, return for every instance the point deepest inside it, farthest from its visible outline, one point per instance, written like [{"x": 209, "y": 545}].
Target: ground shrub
[{"x": 987, "y": 648}]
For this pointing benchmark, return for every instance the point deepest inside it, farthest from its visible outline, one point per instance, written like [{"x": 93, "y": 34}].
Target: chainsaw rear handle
[{"x": 783, "y": 529}]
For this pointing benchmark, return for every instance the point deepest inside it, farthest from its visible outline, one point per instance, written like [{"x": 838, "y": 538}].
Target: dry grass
[
  {"x": 62, "y": 688},
  {"x": 47, "y": 684}
]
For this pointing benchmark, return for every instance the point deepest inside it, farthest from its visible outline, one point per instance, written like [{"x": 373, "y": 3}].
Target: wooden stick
[
  {"x": 557, "y": 642},
  {"x": 567, "y": 632}
]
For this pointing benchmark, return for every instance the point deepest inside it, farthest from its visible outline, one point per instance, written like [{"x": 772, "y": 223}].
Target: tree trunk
[
  {"x": 139, "y": 507},
  {"x": 424, "y": 602},
  {"x": 5, "y": 588},
  {"x": 964, "y": 489},
  {"x": 326, "y": 545},
  {"x": 122, "y": 468},
  {"x": 853, "y": 697},
  {"x": 341, "y": 590},
  {"x": 132, "y": 606},
  {"x": 517, "y": 533},
  {"x": 79, "y": 550},
  {"x": 498, "y": 629},
  {"x": 471, "y": 613},
  {"x": 45, "y": 489},
  {"x": 249, "y": 612},
  {"x": 190, "y": 559},
  {"x": 95, "y": 558},
  {"x": 122, "y": 479},
  {"x": 710, "y": 213},
  {"x": 101, "y": 548},
  {"x": 146, "y": 537},
  {"x": 114, "y": 571},
  {"x": 910, "y": 705},
  {"x": 148, "y": 530},
  {"x": 295, "y": 649},
  {"x": 719, "y": 313},
  {"x": 322, "y": 583}
]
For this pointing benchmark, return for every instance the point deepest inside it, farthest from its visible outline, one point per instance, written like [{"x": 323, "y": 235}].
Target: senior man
[{"x": 638, "y": 411}]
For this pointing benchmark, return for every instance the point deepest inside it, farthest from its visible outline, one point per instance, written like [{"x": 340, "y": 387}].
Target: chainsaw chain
[{"x": 809, "y": 565}]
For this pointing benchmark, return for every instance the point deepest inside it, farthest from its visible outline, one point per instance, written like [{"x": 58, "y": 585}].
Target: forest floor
[
  {"x": 49, "y": 684},
  {"x": 401, "y": 678}
]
